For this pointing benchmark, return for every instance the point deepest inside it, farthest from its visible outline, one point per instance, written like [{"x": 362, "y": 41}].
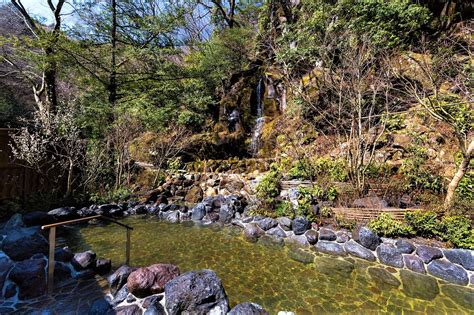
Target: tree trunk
[
  {"x": 69, "y": 178},
  {"x": 461, "y": 171}
]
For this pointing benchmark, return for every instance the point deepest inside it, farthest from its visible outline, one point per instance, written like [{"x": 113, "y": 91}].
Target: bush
[
  {"x": 285, "y": 209},
  {"x": 424, "y": 223},
  {"x": 345, "y": 223},
  {"x": 269, "y": 187},
  {"x": 386, "y": 225},
  {"x": 457, "y": 230}
]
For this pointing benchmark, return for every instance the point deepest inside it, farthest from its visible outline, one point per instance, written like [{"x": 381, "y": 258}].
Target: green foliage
[
  {"x": 173, "y": 165},
  {"x": 386, "y": 225},
  {"x": 118, "y": 195},
  {"x": 345, "y": 223},
  {"x": 465, "y": 189},
  {"x": 336, "y": 168},
  {"x": 269, "y": 187},
  {"x": 394, "y": 122},
  {"x": 457, "y": 230},
  {"x": 326, "y": 212},
  {"x": 285, "y": 209},
  {"x": 424, "y": 223}
]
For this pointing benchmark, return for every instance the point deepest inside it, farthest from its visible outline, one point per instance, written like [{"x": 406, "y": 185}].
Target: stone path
[{"x": 75, "y": 297}]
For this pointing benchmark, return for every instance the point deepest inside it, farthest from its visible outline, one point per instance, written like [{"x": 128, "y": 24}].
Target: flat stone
[
  {"x": 357, "y": 250},
  {"x": 311, "y": 236},
  {"x": 285, "y": 223},
  {"x": 326, "y": 234},
  {"x": 448, "y": 271},
  {"x": 330, "y": 248},
  {"x": 383, "y": 278},
  {"x": 100, "y": 307},
  {"x": 419, "y": 286},
  {"x": 414, "y": 263},
  {"x": 267, "y": 223},
  {"x": 389, "y": 255},
  {"x": 405, "y": 247},
  {"x": 268, "y": 240},
  {"x": 463, "y": 257},
  {"x": 248, "y": 309},
  {"x": 120, "y": 296},
  {"x": 428, "y": 253}
]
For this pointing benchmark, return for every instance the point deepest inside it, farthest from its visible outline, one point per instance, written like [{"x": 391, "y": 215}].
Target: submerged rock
[
  {"x": 300, "y": 255},
  {"x": 100, "y": 307},
  {"x": 383, "y": 278},
  {"x": 333, "y": 266},
  {"x": 461, "y": 296},
  {"x": 150, "y": 280},
  {"x": 6, "y": 265},
  {"x": 128, "y": 310},
  {"x": 196, "y": 292},
  {"x": 419, "y": 286},
  {"x": 248, "y": 309},
  {"x": 448, "y": 271}
]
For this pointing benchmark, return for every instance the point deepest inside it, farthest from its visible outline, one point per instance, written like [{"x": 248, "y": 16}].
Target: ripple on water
[{"x": 266, "y": 274}]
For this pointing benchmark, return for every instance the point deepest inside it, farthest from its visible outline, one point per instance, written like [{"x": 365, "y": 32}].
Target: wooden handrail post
[
  {"x": 52, "y": 247},
  {"x": 127, "y": 249}
]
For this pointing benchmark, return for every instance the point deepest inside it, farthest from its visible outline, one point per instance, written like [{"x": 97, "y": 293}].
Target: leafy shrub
[
  {"x": 326, "y": 212},
  {"x": 301, "y": 169},
  {"x": 345, "y": 223},
  {"x": 269, "y": 187},
  {"x": 386, "y": 225},
  {"x": 336, "y": 169},
  {"x": 424, "y": 223},
  {"x": 120, "y": 194},
  {"x": 465, "y": 189},
  {"x": 394, "y": 122},
  {"x": 285, "y": 209},
  {"x": 457, "y": 230}
]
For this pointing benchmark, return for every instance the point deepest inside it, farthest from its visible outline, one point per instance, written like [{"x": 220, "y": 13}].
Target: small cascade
[{"x": 259, "y": 122}]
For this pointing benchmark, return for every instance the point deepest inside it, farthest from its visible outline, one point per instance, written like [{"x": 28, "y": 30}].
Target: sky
[{"x": 40, "y": 8}]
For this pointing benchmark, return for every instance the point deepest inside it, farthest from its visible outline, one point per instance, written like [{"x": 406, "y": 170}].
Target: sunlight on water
[{"x": 266, "y": 275}]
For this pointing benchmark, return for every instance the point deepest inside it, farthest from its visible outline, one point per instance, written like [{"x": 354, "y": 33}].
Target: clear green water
[{"x": 266, "y": 274}]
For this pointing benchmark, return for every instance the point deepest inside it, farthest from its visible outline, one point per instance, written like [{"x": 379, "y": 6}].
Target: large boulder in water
[
  {"x": 150, "y": 280},
  {"x": 22, "y": 243},
  {"x": 5, "y": 265},
  {"x": 448, "y": 271},
  {"x": 119, "y": 278},
  {"x": 30, "y": 277},
  {"x": 463, "y": 257},
  {"x": 196, "y": 292},
  {"x": 248, "y": 309},
  {"x": 199, "y": 211},
  {"x": 37, "y": 218}
]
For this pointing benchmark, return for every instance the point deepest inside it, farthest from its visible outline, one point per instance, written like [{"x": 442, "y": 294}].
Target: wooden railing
[{"x": 52, "y": 243}]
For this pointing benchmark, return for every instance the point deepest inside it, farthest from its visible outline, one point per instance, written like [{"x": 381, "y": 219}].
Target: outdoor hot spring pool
[{"x": 267, "y": 275}]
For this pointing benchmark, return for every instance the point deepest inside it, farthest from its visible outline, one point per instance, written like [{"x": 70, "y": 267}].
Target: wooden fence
[
  {"x": 16, "y": 181},
  {"x": 367, "y": 214}
]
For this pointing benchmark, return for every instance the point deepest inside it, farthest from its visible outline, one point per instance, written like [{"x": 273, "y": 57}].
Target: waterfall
[{"x": 259, "y": 121}]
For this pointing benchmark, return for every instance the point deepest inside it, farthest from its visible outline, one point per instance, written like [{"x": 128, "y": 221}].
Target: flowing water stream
[
  {"x": 269, "y": 276},
  {"x": 259, "y": 121}
]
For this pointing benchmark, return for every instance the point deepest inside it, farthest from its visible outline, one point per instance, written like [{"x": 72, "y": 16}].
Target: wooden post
[
  {"x": 52, "y": 247},
  {"x": 127, "y": 249}
]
